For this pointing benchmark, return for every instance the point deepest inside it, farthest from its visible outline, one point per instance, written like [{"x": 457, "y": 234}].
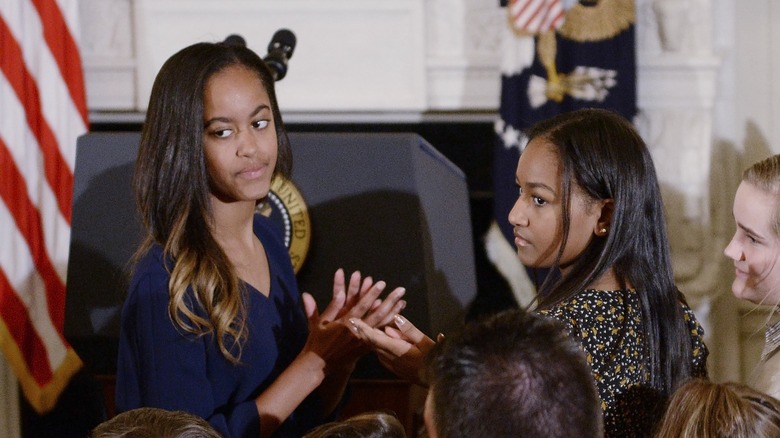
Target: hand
[
  {"x": 401, "y": 349},
  {"x": 332, "y": 341},
  {"x": 361, "y": 300}
]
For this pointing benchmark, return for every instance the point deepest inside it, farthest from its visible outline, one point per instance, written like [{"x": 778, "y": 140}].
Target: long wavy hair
[
  {"x": 172, "y": 192},
  {"x": 603, "y": 154}
]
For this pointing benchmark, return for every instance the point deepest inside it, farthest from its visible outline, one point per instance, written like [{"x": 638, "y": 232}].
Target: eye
[
  {"x": 260, "y": 124},
  {"x": 222, "y": 133},
  {"x": 538, "y": 201},
  {"x": 519, "y": 190},
  {"x": 752, "y": 239}
]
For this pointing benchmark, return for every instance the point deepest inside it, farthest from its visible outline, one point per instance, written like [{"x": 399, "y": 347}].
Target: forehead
[
  {"x": 234, "y": 81},
  {"x": 539, "y": 162},
  {"x": 755, "y": 208}
]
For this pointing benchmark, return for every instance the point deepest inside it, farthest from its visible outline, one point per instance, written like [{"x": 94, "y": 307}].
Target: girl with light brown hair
[{"x": 706, "y": 409}]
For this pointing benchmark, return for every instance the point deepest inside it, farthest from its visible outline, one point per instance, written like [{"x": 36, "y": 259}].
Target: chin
[{"x": 745, "y": 293}]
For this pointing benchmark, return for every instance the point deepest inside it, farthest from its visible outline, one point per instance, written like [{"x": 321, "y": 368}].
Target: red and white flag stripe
[
  {"x": 535, "y": 16},
  {"x": 42, "y": 112}
]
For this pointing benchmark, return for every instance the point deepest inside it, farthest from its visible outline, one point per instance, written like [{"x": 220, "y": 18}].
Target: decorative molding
[
  {"x": 463, "y": 51},
  {"x": 677, "y": 89},
  {"x": 351, "y": 55},
  {"x": 106, "y": 46}
]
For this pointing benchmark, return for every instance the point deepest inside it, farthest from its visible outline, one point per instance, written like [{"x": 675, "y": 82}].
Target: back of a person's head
[
  {"x": 515, "y": 374},
  {"x": 154, "y": 423},
  {"x": 705, "y": 409},
  {"x": 367, "y": 425}
]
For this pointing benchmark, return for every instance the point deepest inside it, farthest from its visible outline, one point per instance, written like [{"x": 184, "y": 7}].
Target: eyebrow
[
  {"x": 748, "y": 230},
  {"x": 538, "y": 185},
  {"x": 257, "y": 110}
]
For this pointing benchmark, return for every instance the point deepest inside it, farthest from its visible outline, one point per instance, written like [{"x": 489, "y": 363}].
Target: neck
[
  {"x": 609, "y": 281},
  {"x": 232, "y": 222}
]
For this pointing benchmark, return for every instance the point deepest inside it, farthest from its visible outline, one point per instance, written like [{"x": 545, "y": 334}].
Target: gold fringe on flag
[{"x": 603, "y": 20}]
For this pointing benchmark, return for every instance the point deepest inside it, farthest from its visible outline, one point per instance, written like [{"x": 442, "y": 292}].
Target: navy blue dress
[{"x": 160, "y": 366}]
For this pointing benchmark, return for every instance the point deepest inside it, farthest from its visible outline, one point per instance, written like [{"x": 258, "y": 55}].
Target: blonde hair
[
  {"x": 765, "y": 175},
  {"x": 705, "y": 409},
  {"x": 154, "y": 423},
  {"x": 367, "y": 425}
]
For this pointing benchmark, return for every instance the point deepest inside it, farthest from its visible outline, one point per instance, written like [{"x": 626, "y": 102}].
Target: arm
[
  {"x": 160, "y": 367},
  {"x": 356, "y": 301},
  {"x": 331, "y": 350}
]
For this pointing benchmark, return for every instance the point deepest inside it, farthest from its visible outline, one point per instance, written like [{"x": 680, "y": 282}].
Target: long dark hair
[
  {"x": 172, "y": 189},
  {"x": 601, "y": 152}
]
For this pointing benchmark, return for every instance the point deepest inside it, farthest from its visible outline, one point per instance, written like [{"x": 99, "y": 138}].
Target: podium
[{"x": 389, "y": 205}]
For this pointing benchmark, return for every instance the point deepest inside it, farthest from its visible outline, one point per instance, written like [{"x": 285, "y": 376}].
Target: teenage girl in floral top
[{"x": 589, "y": 206}]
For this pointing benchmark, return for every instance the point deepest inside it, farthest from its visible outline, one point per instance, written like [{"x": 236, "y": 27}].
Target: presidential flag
[
  {"x": 42, "y": 112},
  {"x": 552, "y": 65}
]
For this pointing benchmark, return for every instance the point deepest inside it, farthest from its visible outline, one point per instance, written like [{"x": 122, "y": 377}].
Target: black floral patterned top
[{"x": 609, "y": 326}]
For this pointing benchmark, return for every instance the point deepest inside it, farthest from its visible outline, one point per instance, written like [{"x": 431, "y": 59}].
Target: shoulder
[
  {"x": 270, "y": 234},
  {"x": 597, "y": 305},
  {"x": 272, "y": 238},
  {"x": 150, "y": 278},
  {"x": 698, "y": 347},
  {"x": 766, "y": 377}
]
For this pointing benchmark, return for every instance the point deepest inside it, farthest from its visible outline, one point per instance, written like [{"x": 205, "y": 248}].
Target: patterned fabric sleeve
[{"x": 700, "y": 351}]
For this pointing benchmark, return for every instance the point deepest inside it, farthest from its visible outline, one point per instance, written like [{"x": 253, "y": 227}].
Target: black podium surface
[{"x": 389, "y": 205}]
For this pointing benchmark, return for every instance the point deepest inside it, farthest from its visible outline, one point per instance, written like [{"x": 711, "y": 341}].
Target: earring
[{"x": 603, "y": 230}]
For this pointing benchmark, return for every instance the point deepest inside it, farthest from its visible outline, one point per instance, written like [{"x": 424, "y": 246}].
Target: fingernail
[
  {"x": 403, "y": 304},
  {"x": 381, "y": 285},
  {"x": 402, "y": 291},
  {"x": 354, "y": 324},
  {"x": 399, "y": 320}
]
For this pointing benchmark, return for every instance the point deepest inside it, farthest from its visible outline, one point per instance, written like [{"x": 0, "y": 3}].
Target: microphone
[{"x": 280, "y": 50}]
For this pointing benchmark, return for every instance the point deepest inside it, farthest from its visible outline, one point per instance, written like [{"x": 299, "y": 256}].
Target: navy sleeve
[{"x": 159, "y": 366}]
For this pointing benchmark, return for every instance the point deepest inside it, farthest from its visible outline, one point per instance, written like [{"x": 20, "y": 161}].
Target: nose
[
  {"x": 517, "y": 216},
  {"x": 734, "y": 251},
  {"x": 248, "y": 144}
]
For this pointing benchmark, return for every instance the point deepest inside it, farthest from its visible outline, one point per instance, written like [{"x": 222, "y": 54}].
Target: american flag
[
  {"x": 42, "y": 112},
  {"x": 535, "y": 16}
]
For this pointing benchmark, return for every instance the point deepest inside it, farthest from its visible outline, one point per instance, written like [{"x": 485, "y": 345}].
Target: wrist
[{"x": 312, "y": 364}]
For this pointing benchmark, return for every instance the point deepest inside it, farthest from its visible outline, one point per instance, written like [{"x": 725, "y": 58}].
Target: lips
[
  {"x": 252, "y": 172},
  {"x": 521, "y": 242}
]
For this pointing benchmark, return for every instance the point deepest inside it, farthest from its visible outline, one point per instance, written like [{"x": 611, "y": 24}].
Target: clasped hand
[
  {"x": 401, "y": 348},
  {"x": 330, "y": 336}
]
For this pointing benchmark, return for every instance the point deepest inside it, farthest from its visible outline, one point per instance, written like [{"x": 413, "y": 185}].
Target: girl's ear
[{"x": 604, "y": 222}]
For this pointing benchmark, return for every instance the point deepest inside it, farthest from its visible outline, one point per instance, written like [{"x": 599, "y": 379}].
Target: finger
[
  {"x": 339, "y": 298},
  {"x": 338, "y": 282},
  {"x": 366, "y": 301},
  {"x": 367, "y": 283},
  {"x": 393, "y": 333},
  {"x": 379, "y": 339},
  {"x": 309, "y": 306},
  {"x": 385, "y": 310},
  {"x": 410, "y": 332},
  {"x": 398, "y": 308},
  {"x": 353, "y": 291}
]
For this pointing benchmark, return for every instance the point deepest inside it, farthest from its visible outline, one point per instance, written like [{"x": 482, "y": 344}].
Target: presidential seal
[{"x": 287, "y": 209}]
